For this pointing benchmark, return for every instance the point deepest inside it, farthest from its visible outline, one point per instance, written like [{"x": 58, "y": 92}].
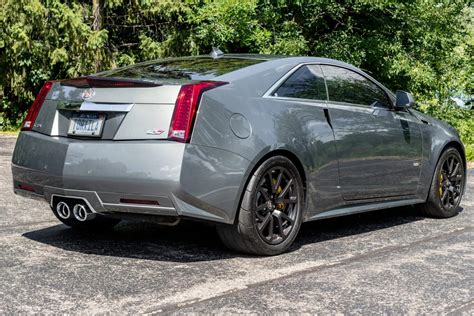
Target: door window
[
  {"x": 349, "y": 87},
  {"x": 305, "y": 83}
]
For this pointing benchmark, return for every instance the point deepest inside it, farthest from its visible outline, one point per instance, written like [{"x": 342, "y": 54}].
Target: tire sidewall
[{"x": 249, "y": 201}]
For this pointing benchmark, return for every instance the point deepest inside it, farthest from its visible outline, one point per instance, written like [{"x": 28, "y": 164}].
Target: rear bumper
[
  {"x": 184, "y": 179},
  {"x": 95, "y": 202}
]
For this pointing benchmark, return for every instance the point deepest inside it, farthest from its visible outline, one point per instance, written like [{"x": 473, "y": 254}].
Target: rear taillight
[
  {"x": 186, "y": 108},
  {"x": 35, "y": 108}
]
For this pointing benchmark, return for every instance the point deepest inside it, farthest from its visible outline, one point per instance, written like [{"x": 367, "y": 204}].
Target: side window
[
  {"x": 305, "y": 83},
  {"x": 347, "y": 86}
]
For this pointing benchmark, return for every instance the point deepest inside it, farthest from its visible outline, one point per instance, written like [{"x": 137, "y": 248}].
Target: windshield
[{"x": 180, "y": 70}]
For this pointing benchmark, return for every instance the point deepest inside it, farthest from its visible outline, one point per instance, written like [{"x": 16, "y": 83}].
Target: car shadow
[{"x": 195, "y": 241}]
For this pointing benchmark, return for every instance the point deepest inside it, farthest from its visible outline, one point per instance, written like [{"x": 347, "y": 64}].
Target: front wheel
[
  {"x": 446, "y": 187},
  {"x": 271, "y": 210}
]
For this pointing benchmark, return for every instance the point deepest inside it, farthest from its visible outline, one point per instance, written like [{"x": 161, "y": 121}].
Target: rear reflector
[
  {"x": 101, "y": 82},
  {"x": 26, "y": 187},
  {"x": 186, "y": 108},
  {"x": 30, "y": 119},
  {"x": 134, "y": 201}
]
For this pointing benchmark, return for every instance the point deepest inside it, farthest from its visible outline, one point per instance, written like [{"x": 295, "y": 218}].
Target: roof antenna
[{"x": 216, "y": 53}]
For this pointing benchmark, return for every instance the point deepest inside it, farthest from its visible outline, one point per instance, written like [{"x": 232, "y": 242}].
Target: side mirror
[{"x": 404, "y": 100}]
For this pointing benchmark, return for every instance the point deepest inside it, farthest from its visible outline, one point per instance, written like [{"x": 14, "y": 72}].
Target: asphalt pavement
[{"x": 389, "y": 261}]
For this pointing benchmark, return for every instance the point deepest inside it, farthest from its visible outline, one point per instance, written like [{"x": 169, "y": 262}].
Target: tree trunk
[{"x": 97, "y": 10}]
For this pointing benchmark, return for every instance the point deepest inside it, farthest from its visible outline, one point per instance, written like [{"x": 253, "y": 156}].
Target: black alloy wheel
[
  {"x": 276, "y": 205},
  {"x": 451, "y": 181},
  {"x": 447, "y": 186}
]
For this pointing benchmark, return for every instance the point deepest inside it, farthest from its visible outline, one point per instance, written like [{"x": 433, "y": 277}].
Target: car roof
[
  {"x": 249, "y": 56},
  {"x": 275, "y": 66},
  {"x": 287, "y": 59}
]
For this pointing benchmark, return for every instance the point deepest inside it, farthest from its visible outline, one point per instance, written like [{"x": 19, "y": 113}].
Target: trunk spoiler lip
[{"x": 105, "y": 82}]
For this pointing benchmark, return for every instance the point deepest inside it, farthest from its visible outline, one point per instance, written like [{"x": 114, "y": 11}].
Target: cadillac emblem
[{"x": 88, "y": 93}]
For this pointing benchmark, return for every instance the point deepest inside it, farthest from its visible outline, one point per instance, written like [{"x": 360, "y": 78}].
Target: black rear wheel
[
  {"x": 276, "y": 205},
  {"x": 447, "y": 186},
  {"x": 271, "y": 210}
]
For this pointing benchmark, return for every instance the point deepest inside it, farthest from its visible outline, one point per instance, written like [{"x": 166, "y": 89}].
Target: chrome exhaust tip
[
  {"x": 80, "y": 212},
  {"x": 63, "y": 211}
]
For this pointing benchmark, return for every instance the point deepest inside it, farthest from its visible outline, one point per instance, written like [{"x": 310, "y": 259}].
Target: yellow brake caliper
[{"x": 280, "y": 206}]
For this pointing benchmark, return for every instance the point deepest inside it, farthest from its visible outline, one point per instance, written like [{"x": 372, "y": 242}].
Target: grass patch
[{"x": 9, "y": 133}]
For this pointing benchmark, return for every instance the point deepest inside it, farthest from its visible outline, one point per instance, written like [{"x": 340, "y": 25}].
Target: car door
[
  {"x": 379, "y": 150},
  {"x": 305, "y": 125}
]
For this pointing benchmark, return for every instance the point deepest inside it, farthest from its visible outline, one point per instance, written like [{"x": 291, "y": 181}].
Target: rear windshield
[{"x": 180, "y": 70}]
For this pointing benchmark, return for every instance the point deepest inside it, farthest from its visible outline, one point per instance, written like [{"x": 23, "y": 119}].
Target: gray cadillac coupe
[{"x": 255, "y": 144}]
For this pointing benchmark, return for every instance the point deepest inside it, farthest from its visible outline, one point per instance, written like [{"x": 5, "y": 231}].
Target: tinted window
[
  {"x": 178, "y": 70},
  {"x": 306, "y": 83},
  {"x": 347, "y": 86}
]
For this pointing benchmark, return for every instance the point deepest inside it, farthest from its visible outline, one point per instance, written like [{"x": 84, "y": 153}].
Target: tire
[
  {"x": 446, "y": 187},
  {"x": 270, "y": 216},
  {"x": 96, "y": 223}
]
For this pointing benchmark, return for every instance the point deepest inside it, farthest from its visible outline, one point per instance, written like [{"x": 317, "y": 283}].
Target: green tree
[{"x": 41, "y": 40}]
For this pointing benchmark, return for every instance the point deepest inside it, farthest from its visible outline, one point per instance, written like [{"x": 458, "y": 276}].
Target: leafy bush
[
  {"x": 40, "y": 42},
  {"x": 461, "y": 119}
]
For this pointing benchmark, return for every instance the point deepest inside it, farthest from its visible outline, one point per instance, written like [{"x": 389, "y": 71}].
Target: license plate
[{"x": 86, "y": 124}]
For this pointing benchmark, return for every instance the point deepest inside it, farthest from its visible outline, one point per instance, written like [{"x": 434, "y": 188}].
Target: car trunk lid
[{"x": 123, "y": 113}]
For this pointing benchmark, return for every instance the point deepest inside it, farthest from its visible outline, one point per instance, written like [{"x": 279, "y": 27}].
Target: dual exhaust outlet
[{"x": 79, "y": 211}]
